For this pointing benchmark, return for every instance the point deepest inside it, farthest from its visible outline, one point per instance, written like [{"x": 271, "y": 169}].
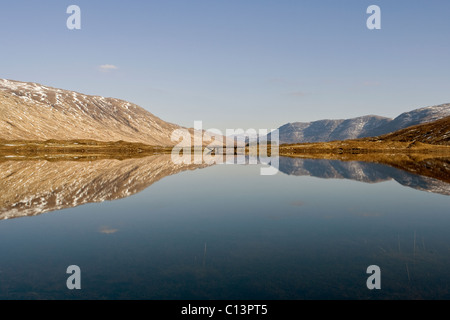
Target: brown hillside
[{"x": 436, "y": 132}]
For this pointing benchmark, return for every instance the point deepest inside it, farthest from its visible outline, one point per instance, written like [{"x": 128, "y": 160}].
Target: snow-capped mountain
[
  {"x": 360, "y": 127},
  {"x": 32, "y": 111}
]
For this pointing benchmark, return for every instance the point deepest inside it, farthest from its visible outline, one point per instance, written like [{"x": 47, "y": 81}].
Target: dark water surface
[{"x": 222, "y": 232}]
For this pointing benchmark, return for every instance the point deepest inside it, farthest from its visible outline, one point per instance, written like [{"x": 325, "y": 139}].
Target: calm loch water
[{"x": 146, "y": 229}]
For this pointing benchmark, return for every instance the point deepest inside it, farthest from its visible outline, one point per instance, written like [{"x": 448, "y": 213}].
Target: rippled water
[{"x": 143, "y": 229}]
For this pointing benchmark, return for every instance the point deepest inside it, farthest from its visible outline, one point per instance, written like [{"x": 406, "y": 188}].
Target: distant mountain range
[
  {"x": 31, "y": 111},
  {"x": 360, "y": 127}
]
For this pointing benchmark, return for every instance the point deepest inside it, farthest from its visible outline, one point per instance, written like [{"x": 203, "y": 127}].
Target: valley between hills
[
  {"x": 425, "y": 140},
  {"x": 42, "y": 123}
]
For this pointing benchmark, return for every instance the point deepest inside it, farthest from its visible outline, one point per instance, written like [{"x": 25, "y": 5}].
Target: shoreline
[{"x": 364, "y": 150}]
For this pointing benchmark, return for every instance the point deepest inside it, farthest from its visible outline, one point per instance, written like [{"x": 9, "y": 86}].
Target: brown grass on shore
[
  {"x": 366, "y": 146},
  {"x": 75, "y": 149}
]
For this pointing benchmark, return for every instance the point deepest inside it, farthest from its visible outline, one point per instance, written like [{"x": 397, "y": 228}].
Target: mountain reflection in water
[
  {"x": 32, "y": 187},
  {"x": 373, "y": 172}
]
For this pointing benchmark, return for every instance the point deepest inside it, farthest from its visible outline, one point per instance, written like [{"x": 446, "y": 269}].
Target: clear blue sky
[{"x": 236, "y": 63}]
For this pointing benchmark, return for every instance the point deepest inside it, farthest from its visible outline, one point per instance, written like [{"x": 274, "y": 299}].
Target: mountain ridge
[{"x": 31, "y": 111}]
